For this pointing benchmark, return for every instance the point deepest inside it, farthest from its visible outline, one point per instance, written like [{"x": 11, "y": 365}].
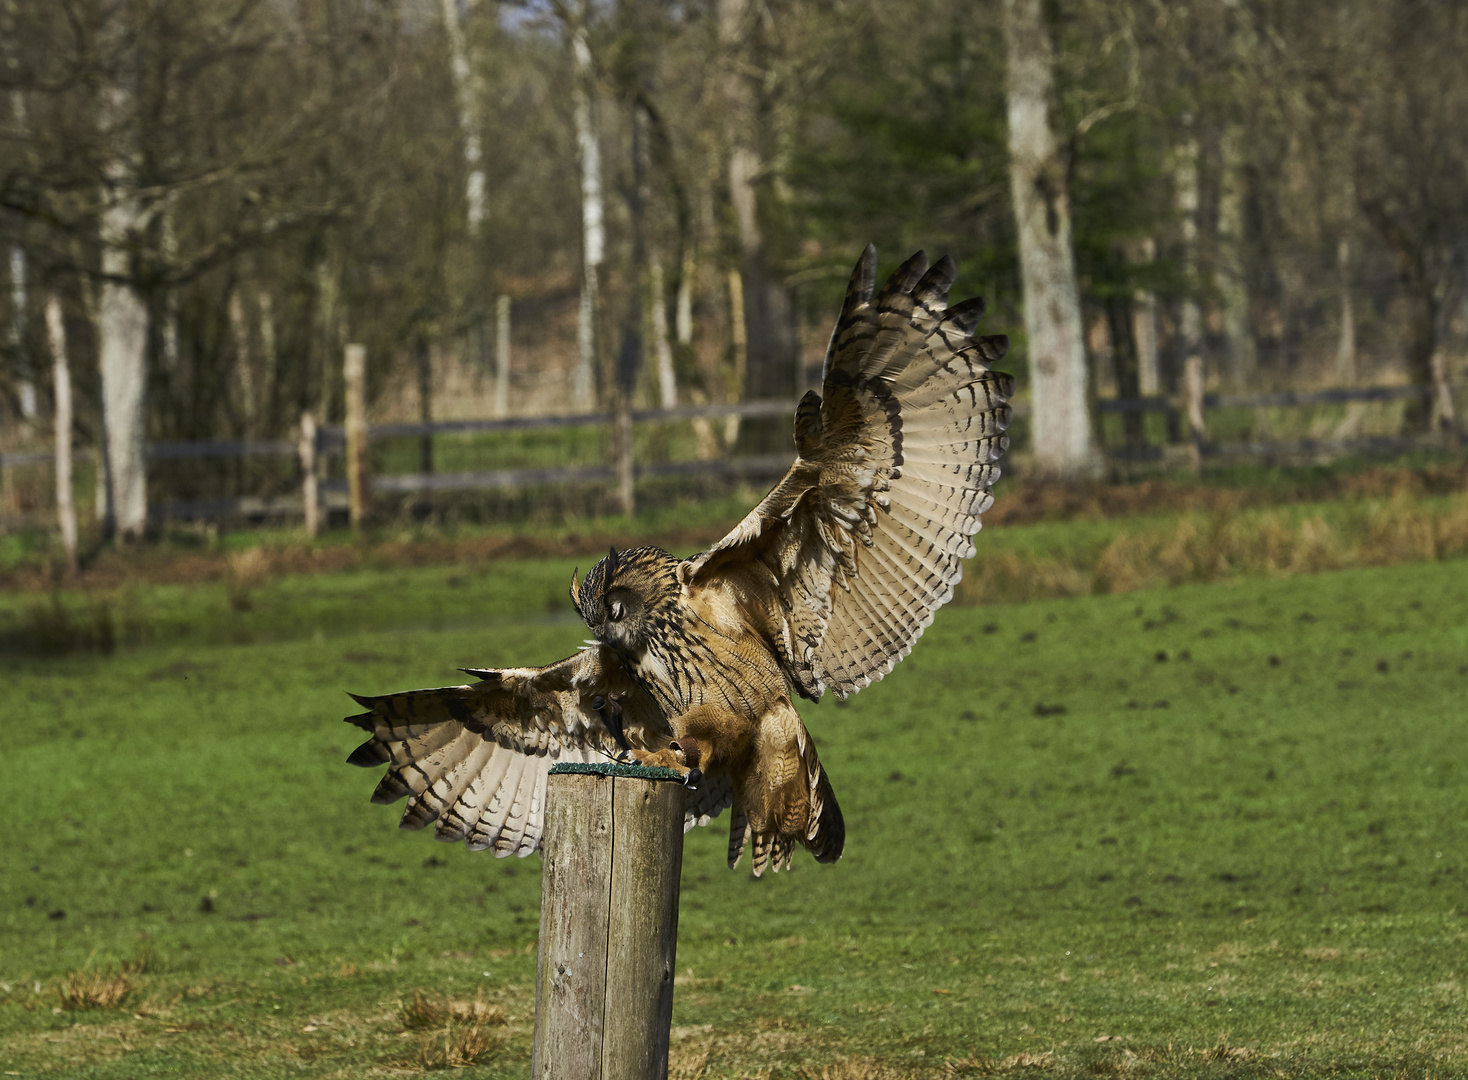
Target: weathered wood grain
[
  {"x": 642, "y": 930},
  {"x": 613, "y": 857},
  {"x": 575, "y": 890}
]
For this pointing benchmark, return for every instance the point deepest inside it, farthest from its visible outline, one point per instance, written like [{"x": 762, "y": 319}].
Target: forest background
[{"x": 559, "y": 206}]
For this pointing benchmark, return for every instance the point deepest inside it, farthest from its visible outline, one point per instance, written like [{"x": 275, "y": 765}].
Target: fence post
[
  {"x": 355, "y": 377},
  {"x": 612, "y": 856},
  {"x": 306, "y": 449},
  {"x": 65, "y": 510}
]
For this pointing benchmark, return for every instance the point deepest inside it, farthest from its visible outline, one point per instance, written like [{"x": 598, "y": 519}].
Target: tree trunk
[
  {"x": 65, "y": 508},
  {"x": 122, "y": 332},
  {"x": 593, "y": 233},
  {"x": 502, "y": 356},
  {"x": 667, "y": 380},
  {"x": 122, "y": 312},
  {"x": 629, "y": 356},
  {"x": 1061, "y": 423},
  {"x": 1185, "y": 193},
  {"x": 771, "y": 353},
  {"x": 466, "y": 97},
  {"x": 1422, "y": 316},
  {"x": 26, "y": 387},
  {"x": 423, "y": 356},
  {"x": 1120, "y": 325},
  {"x": 1144, "y": 324},
  {"x": 1345, "y": 353},
  {"x": 1231, "y": 276}
]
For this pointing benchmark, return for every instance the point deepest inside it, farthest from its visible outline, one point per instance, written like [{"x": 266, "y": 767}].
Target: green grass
[{"x": 1222, "y": 824}]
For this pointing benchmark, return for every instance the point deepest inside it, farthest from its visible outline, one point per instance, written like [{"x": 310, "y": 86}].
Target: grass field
[{"x": 1214, "y": 830}]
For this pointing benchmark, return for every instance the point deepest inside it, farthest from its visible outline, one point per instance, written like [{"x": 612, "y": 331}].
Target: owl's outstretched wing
[
  {"x": 865, "y": 535},
  {"x": 475, "y": 758}
]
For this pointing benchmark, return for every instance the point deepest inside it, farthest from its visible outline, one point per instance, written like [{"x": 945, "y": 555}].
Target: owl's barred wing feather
[
  {"x": 474, "y": 758},
  {"x": 866, "y": 533}
]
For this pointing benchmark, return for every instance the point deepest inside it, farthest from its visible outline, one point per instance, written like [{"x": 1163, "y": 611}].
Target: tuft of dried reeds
[
  {"x": 456, "y": 1032},
  {"x": 1226, "y": 544},
  {"x": 101, "y": 988}
]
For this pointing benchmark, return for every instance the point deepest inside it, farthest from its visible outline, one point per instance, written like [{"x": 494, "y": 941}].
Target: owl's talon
[{"x": 692, "y": 779}]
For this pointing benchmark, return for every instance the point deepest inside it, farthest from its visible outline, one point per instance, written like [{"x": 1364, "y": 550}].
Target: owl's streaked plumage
[{"x": 825, "y": 585}]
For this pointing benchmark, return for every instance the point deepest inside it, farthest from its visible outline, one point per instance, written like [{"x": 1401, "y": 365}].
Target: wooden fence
[{"x": 324, "y": 495}]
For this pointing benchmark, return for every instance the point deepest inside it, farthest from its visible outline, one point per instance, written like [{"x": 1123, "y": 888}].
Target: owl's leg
[{"x": 705, "y": 739}]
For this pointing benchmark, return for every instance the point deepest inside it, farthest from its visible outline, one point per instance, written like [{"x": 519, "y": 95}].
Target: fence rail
[
  {"x": 1338, "y": 396},
  {"x": 332, "y": 494}
]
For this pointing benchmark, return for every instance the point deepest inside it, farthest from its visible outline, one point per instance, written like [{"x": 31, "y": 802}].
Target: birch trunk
[
  {"x": 244, "y": 357},
  {"x": 122, "y": 329},
  {"x": 684, "y": 315},
  {"x": 122, "y": 313},
  {"x": 1144, "y": 326},
  {"x": 667, "y": 380},
  {"x": 768, "y": 328},
  {"x": 1185, "y": 192},
  {"x": 168, "y": 332},
  {"x": 1061, "y": 425},
  {"x": 593, "y": 231},
  {"x": 65, "y": 508},
  {"x": 1233, "y": 266},
  {"x": 1345, "y": 353},
  {"x": 18, "y": 304},
  {"x": 18, "y": 299},
  {"x": 467, "y": 97}
]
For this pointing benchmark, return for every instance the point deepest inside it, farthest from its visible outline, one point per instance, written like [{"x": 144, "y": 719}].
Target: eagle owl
[{"x": 825, "y": 585}]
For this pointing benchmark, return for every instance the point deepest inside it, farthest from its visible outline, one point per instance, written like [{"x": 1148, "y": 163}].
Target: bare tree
[
  {"x": 1061, "y": 423},
  {"x": 593, "y": 230},
  {"x": 467, "y": 96}
]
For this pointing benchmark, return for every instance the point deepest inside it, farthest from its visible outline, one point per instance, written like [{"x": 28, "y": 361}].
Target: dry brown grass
[
  {"x": 1022, "y": 1062},
  {"x": 102, "y": 988},
  {"x": 456, "y": 1047},
  {"x": 852, "y": 1069},
  {"x": 456, "y": 1032},
  {"x": 1017, "y": 505},
  {"x": 1224, "y": 545},
  {"x": 428, "y": 1010},
  {"x": 248, "y": 570}
]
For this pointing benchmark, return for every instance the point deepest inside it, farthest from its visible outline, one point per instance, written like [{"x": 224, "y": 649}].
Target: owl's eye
[{"x": 617, "y": 610}]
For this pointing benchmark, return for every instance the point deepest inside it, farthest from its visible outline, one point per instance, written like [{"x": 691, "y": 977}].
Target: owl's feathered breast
[{"x": 704, "y": 651}]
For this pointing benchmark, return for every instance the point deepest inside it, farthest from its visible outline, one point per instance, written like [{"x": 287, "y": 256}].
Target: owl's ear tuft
[
  {"x": 606, "y": 581},
  {"x": 575, "y": 591}
]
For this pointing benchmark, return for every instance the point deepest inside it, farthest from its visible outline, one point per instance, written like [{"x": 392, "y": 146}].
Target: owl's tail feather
[
  {"x": 827, "y": 836},
  {"x": 808, "y": 816}
]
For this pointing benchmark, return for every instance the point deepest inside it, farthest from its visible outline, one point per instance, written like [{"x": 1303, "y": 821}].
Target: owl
[{"x": 695, "y": 664}]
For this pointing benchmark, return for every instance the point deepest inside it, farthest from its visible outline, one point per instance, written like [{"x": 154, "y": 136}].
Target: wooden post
[
  {"x": 502, "y": 356},
  {"x": 65, "y": 510},
  {"x": 306, "y": 448},
  {"x": 354, "y": 375},
  {"x": 613, "y": 856}
]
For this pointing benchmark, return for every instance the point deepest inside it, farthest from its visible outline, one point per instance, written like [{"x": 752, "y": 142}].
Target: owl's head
[{"x": 622, "y": 597}]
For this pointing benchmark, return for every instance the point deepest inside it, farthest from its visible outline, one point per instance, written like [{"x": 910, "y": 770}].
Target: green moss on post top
[{"x": 612, "y": 768}]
